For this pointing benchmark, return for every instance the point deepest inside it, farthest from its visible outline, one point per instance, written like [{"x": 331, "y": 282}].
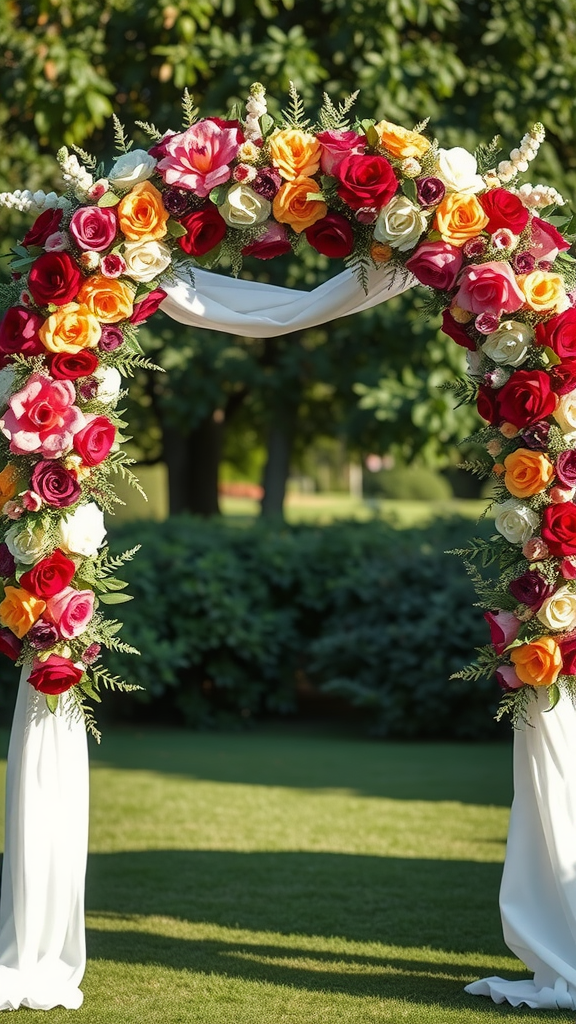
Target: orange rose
[
  {"x": 527, "y": 472},
  {"x": 459, "y": 217},
  {"x": 292, "y": 206},
  {"x": 401, "y": 142},
  {"x": 8, "y": 484},
  {"x": 380, "y": 253},
  {"x": 141, "y": 213},
  {"x": 20, "y": 610},
  {"x": 539, "y": 662},
  {"x": 544, "y": 292},
  {"x": 295, "y": 153},
  {"x": 107, "y": 298},
  {"x": 70, "y": 328}
]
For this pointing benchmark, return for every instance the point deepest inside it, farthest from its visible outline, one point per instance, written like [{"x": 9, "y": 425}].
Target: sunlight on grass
[{"x": 326, "y": 508}]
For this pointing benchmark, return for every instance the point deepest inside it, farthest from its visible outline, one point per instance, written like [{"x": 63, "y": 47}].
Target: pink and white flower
[
  {"x": 42, "y": 417},
  {"x": 71, "y": 611},
  {"x": 198, "y": 159}
]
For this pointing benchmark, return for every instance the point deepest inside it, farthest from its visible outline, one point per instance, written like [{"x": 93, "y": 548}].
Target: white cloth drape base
[
  {"x": 538, "y": 891},
  {"x": 42, "y": 940}
]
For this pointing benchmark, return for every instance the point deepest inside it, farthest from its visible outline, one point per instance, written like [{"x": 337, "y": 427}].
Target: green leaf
[
  {"x": 176, "y": 229},
  {"x": 108, "y": 199},
  {"x": 409, "y": 189},
  {"x": 115, "y": 598},
  {"x": 52, "y": 702},
  {"x": 113, "y": 584},
  {"x": 553, "y": 696},
  {"x": 267, "y": 124},
  {"x": 372, "y": 137},
  {"x": 218, "y": 195}
]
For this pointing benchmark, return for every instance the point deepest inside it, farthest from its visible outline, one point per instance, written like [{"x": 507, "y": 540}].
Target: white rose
[
  {"x": 130, "y": 168},
  {"x": 559, "y": 611},
  {"x": 457, "y": 168},
  {"x": 109, "y": 384},
  {"x": 509, "y": 343},
  {"x": 243, "y": 208},
  {"x": 26, "y": 543},
  {"x": 6, "y": 385},
  {"x": 146, "y": 260},
  {"x": 565, "y": 413},
  {"x": 82, "y": 531},
  {"x": 400, "y": 223},
  {"x": 515, "y": 521}
]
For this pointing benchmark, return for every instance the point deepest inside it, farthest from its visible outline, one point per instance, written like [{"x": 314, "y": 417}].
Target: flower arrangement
[{"x": 492, "y": 251}]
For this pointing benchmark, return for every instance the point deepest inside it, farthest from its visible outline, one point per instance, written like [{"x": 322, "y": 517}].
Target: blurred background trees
[{"x": 350, "y": 388}]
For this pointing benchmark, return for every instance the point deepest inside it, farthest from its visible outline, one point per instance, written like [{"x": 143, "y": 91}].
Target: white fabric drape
[
  {"x": 538, "y": 892},
  {"x": 255, "y": 310},
  {"x": 42, "y": 940}
]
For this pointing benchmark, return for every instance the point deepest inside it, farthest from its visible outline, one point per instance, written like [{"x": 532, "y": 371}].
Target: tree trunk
[
  {"x": 280, "y": 440},
  {"x": 193, "y": 460}
]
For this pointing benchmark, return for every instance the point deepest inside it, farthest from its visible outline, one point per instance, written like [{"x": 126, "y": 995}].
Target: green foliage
[{"x": 414, "y": 483}]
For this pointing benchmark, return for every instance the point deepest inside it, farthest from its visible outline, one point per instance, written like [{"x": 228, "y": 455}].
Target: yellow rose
[
  {"x": 527, "y": 472},
  {"x": 544, "y": 292},
  {"x": 108, "y": 299},
  {"x": 292, "y": 206},
  {"x": 8, "y": 483},
  {"x": 459, "y": 217},
  {"x": 71, "y": 328},
  {"x": 295, "y": 153},
  {"x": 401, "y": 142},
  {"x": 141, "y": 213},
  {"x": 19, "y": 610},
  {"x": 537, "y": 663}
]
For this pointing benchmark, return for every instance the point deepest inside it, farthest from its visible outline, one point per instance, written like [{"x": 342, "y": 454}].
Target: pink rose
[
  {"x": 504, "y": 628},
  {"x": 489, "y": 288},
  {"x": 94, "y": 441},
  {"x": 94, "y": 229},
  {"x": 198, "y": 159},
  {"x": 546, "y": 242},
  {"x": 142, "y": 310},
  {"x": 19, "y": 333},
  {"x": 436, "y": 264},
  {"x": 535, "y": 549},
  {"x": 71, "y": 611},
  {"x": 42, "y": 417},
  {"x": 112, "y": 265},
  {"x": 335, "y": 146},
  {"x": 507, "y": 679}
]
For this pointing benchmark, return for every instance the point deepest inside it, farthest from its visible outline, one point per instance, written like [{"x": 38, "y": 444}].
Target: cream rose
[
  {"x": 130, "y": 168},
  {"x": 146, "y": 260},
  {"x": 109, "y": 384},
  {"x": 565, "y": 413},
  {"x": 82, "y": 532},
  {"x": 457, "y": 168},
  {"x": 243, "y": 208},
  {"x": 515, "y": 521},
  {"x": 559, "y": 611},
  {"x": 27, "y": 543},
  {"x": 400, "y": 223},
  {"x": 509, "y": 343}
]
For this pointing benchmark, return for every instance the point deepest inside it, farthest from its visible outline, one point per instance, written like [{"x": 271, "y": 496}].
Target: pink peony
[
  {"x": 71, "y": 611},
  {"x": 42, "y": 417},
  {"x": 436, "y": 264},
  {"x": 94, "y": 229},
  {"x": 335, "y": 146},
  {"x": 489, "y": 288},
  {"x": 198, "y": 159},
  {"x": 504, "y": 628}
]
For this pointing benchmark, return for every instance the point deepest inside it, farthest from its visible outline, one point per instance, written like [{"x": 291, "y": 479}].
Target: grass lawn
[
  {"x": 326, "y": 508},
  {"x": 291, "y": 877}
]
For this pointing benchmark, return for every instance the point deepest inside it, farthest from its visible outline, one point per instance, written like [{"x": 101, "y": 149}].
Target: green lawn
[
  {"x": 285, "y": 876},
  {"x": 326, "y": 508}
]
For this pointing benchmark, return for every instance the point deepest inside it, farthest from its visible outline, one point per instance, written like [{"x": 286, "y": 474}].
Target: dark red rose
[
  {"x": 486, "y": 404},
  {"x": 19, "y": 333},
  {"x": 559, "y": 528},
  {"x": 42, "y": 635},
  {"x": 536, "y": 436},
  {"x": 111, "y": 337},
  {"x": 176, "y": 201},
  {"x": 273, "y": 242},
  {"x": 526, "y": 398},
  {"x": 7, "y": 562},
  {"x": 49, "y": 576},
  {"x": 559, "y": 333},
  {"x": 54, "y": 278},
  {"x": 563, "y": 377},
  {"x": 431, "y": 191},
  {"x": 504, "y": 210},
  {"x": 158, "y": 150},
  {"x": 531, "y": 589},
  {"x": 332, "y": 236},
  {"x": 523, "y": 263},
  {"x": 10, "y": 645},
  {"x": 566, "y": 467},
  {"x": 222, "y": 123},
  {"x": 55, "y": 675},
  {"x": 205, "y": 229},
  {"x": 267, "y": 183},
  {"x": 95, "y": 440},
  {"x": 44, "y": 225},
  {"x": 568, "y": 651},
  {"x": 65, "y": 366},
  {"x": 91, "y": 654},
  {"x": 55, "y": 484},
  {"x": 366, "y": 181},
  {"x": 456, "y": 331},
  {"x": 144, "y": 309},
  {"x": 558, "y": 241}
]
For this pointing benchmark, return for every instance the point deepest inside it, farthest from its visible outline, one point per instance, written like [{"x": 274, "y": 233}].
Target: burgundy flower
[
  {"x": 91, "y": 654},
  {"x": 19, "y": 333},
  {"x": 523, "y": 263},
  {"x": 10, "y": 645},
  {"x": 176, "y": 201},
  {"x": 536, "y": 436},
  {"x": 55, "y": 484},
  {"x": 44, "y": 226},
  {"x": 456, "y": 331},
  {"x": 273, "y": 242},
  {"x": 563, "y": 377},
  {"x": 42, "y": 635},
  {"x": 88, "y": 388},
  {"x": 566, "y": 468},
  {"x": 531, "y": 589},
  {"x": 110, "y": 338},
  {"x": 267, "y": 183},
  {"x": 431, "y": 191},
  {"x": 332, "y": 236},
  {"x": 7, "y": 563}
]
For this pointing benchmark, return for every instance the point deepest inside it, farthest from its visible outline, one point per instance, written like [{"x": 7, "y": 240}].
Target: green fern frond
[
  {"x": 88, "y": 160},
  {"x": 121, "y": 141},
  {"x": 295, "y": 114},
  {"x": 150, "y": 129},
  {"x": 190, "y": 111},
  {"x": 333, "y": 118}
]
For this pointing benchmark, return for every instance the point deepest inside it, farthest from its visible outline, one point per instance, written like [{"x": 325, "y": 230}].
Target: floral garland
[{"x": 371, "y": 193}]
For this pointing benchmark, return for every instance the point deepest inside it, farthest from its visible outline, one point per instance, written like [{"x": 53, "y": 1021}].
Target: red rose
[
  {"x": 559, "y": 528},
  {"x": 55, "y": 675},
  {"x": 273, "y": 242},
  {"x": 526, "y": 398},
  {"x": 456, "y": 331},
  {"x": 332, "y": 236},
  {"x": 205, "y": 229},
  {"x": 366, "y": 181},
  {"x": 504, "y": 210},
  {"x": 10, "y": 645},
  {"x": 55, "y": 484},
  {"x": 54, "y": 278},
  {"x": 44, "y": 225},
  {"x": 559, "y": 333},
  {"x": 437, "y": 265},
  {"x": 48, "y": 577},
  {"x": 563, "y": 377},
  {"x": 65, "y": 366},
  {"x": 19, "y": 333},
  {"x": 142, "y": 310},
  {"x": 568, "y": 651},
  {"x": 95, "y": 440},
  {"x": 486, "y": 404}
]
